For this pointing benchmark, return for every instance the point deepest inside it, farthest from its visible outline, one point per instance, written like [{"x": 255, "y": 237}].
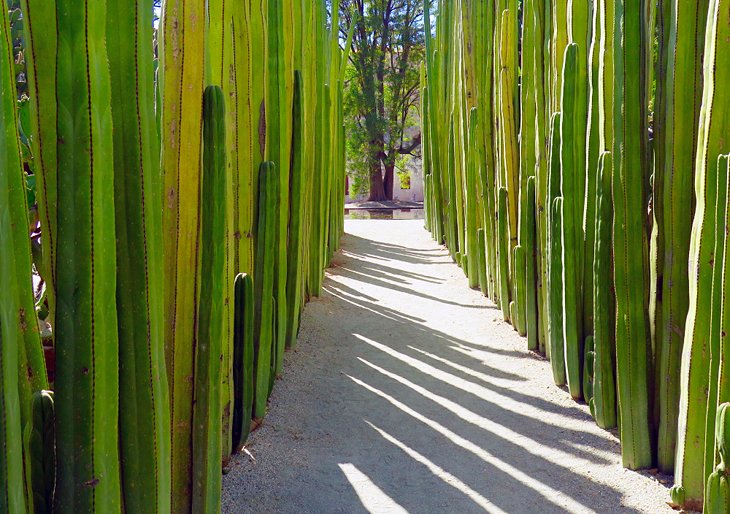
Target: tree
[{"x": 382, "y": 91}]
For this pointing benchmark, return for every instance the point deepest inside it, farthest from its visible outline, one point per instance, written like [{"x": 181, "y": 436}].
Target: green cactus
[
  {"x": 555, "y": 257},
  {"x": 604, "y": 383},
  {"x": 87, "y": 351},
  {"x": 266, "y": 235},
  {"x": 40, "y": 26},
  {"x": 714, "y": 125},
  {"x": 503, "y": 241},
  {"x": 181, "y": 72},
  {"x": 243, "y": 359},
  {"x": 557, "y": 348},
  {"x": 40, "y": 449},
  {"x": 144, "y": 407},
  {"x": 211, "y": 314},
  {"x": 572, "y": 193},
  {"x": 471, "y": 203},
  {"x": 15, "y": 259},
  {"x": 589, "y": 363},
  {"x": 717, "y": 499},
  {"x": 296, "y": 228},
  {"x": 520, "y": 267},
  {"x": 482, "y": 264},
  {"x": 532, "y": 326}
]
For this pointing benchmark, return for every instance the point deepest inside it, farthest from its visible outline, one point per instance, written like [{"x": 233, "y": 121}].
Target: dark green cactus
[
  {"x": 520, "y": 266},
  {"x": 296, "y": 227},
  {"x": 572, "y": 225},
  {"x": 87, "y": 352},
  {"x": 604, "y": 382},
  {"x": 557, "y": 350},
  {"x": 144, "y": 401},
  {"x": 243, "y": 359},
  {"x": 211, "y": 315},
  {"x": 40, "y": 441},
  {"x": 532, "y": 326},
  {"x": 266, "y": 235},
  {"x": 717, "y": 496},
  {"x": 503, "y": 250}
]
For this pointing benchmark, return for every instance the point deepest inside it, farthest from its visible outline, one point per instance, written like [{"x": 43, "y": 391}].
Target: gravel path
[{"x": 408, "y": 393}]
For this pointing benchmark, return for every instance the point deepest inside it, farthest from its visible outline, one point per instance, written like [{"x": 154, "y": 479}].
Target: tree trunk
[
  {"x": 377, "y": 189},
  {"x": 388, "y": 181}
]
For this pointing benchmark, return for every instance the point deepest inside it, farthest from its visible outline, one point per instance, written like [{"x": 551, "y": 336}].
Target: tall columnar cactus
[
  {"x": 211, "y": 314},
  {"x": 16, "y": 282},
  {"x": 503, "y": 241},
  {"x": 243, "y": 359},
  {"x": 264, "y": 281},
  {"x": 143, "y": 399},
  {"x": 604, "y": 382},
  {"x": 471, "y": 202},
  {"x": 630, "y": 236},
  {"x": 718, "y": 484},
  {"x": 714, "y": 125},
  {"x": 40, "y": 26},
  {"x": 684, "y": 80},
  {"x": 531, "y": 292},
  {"x": 572, "y": 193},
  {"x": 520, "y": 270},
  {"x": 555, "y": 257},
  {"x": 87, "y": 357},
  {"x": 718, "y": 373},
  {"x": 40, "y": 447},
  {"x": 481, "y": 249},
  {"x": 296, "y": 228},
  {"x": 181, "y": 76}
]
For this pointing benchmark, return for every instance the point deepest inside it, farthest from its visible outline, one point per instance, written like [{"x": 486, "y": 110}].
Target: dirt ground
[{"x": 408, "y": 393}]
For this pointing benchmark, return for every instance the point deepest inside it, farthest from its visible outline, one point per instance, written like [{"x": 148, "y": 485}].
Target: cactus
[
  {"x": 589, "y": 363},
  {"x": 503, "y": 241},
  {"x": 718, "y": 484},
  {"x": 40, "y": 26},
  {"x": 557, "y": 349},
  {"x": 717, "y": 371},
  {"x": 482, "y": 264},
  {"x": 15, "y": 259},
  {"x": 604, "y": 384},
  {"x": 243, "y": 359},
  {"x": 630, "y": 238},
  {"x": 714, "y": 125},
  {"x": 211, "y": 315},
  {"x": 532, "y": 326},
  {"x": 555, "y": 257},
  {"x": 471, "y": 202},
  {"x": 40, "y": 448},
  {"x": 144, "y": 398},
  {"x": 181, "y": 78},
  {"x": 296, "y": 229},
  {"x": 674, "y": 192},
  {"x": 520, "y": 267},
  {"x": 87, "y": 352},
  {"x": 264, "y": 280},
  {"x": 572, "y": 194}
]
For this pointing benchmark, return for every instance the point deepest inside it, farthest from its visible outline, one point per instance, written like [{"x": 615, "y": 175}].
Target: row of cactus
[
  {"x": 573, "y": 166},
  {"x": 199, "y": 203}
]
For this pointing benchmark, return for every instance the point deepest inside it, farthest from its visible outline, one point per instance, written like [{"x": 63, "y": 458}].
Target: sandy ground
[{"x": 408, "y": 393}]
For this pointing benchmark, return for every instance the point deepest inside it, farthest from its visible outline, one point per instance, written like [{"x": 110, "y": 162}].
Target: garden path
[{"x": 408, "y": 393}]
